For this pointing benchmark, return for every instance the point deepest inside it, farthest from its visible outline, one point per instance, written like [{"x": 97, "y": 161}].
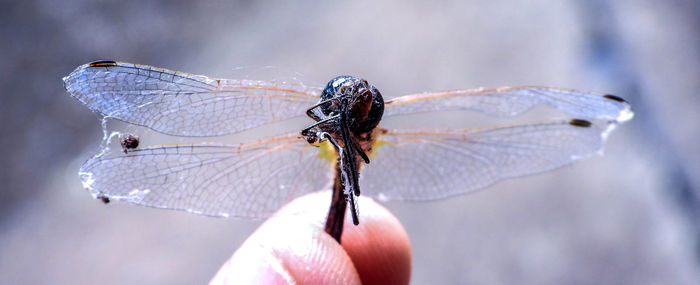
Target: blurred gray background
[{"x": 631, "y": 216}]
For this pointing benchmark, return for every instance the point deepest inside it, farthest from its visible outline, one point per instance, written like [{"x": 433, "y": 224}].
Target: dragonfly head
[{"x": 362, "y": 102}]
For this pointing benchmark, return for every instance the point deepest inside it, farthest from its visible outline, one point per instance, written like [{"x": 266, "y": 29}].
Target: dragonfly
[{"x": 344, "y": 147}]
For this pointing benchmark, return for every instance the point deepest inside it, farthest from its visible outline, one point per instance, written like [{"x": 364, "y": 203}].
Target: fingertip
[
  {"x": 379, "y": 246},
  {"x": 292, "y": 247},
  {"x": 289, "y": 248}
]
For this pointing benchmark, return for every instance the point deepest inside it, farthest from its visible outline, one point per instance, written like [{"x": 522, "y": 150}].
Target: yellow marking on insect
[
  {"x": 326, "y": 151},
  {"x": 376, "y": 146}
]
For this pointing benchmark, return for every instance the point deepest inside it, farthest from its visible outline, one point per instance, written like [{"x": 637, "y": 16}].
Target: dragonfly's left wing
[
  {"x": 244, "y": 180},
  {"x": 512, "y": 101},
  {"x": 424, "y": 164},
  {"x": 183, "y": 104}
]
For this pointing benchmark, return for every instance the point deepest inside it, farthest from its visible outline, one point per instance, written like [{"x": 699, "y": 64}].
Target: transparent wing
[
  {"x": 511, "y": 101},
  {"x": 248, "y": 180},
  {"x": 415, "y": 164},
  {"x": 183, "y": 104}
]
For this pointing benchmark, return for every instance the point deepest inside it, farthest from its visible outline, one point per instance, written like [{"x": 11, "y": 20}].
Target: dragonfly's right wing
[
  {"x": 512, "y": 101},
  {"x": 248, "y": 180},
  {"x": 419, "y": 164},
  {"x": 183, "y": 104},
  {"x": 426, "y": 164}
]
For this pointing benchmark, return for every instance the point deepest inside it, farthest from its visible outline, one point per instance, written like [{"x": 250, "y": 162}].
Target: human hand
[{"x": 292, "y": 247}]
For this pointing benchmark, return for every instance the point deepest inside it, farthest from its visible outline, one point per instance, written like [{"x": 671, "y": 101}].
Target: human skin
[{"x": 292, "y": 248}]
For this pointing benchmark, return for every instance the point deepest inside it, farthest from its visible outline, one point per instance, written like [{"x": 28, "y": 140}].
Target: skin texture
[{"x": 292, "y": 248}]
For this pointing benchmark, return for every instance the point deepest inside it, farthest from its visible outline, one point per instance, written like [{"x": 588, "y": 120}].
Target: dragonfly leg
[
  {"x": 319, "y": 104},
  {"x": 354, "y": 209},
  {"x": 335, "y": 144},
  {"x": 305, "y": 131},
  {"x": 336, "y": 213},
  {"x": 361, "y": 152},
  {"x": 352, "y": 172}
]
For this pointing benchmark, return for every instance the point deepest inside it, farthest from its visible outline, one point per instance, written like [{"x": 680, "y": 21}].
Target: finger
[
  {"x": 292, "y": 247},
  {"x": 379, "y": 246}
]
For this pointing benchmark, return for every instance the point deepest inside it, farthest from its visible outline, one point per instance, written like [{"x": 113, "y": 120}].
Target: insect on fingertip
[{"x": 343, "y": 136}]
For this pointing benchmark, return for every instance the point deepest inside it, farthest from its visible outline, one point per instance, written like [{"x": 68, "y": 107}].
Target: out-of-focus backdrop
[{"x": 628, "y": 217}]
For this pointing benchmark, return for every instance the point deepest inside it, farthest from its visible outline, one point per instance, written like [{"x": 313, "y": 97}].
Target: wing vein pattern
[
  {"x": 182, "y": 104},
  {"x": 246, "y": 180},
  {"x": 512, "y": 101},
  {"x": 426, "y": 164}
]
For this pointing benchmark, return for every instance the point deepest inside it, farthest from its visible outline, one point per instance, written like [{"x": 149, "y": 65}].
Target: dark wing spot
[
  {"x": 101, "y": 63},
  {"x": 580, "y": 123},
  {"x": 103, "y": 198},
  {"x": 615, "y": 98}
]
